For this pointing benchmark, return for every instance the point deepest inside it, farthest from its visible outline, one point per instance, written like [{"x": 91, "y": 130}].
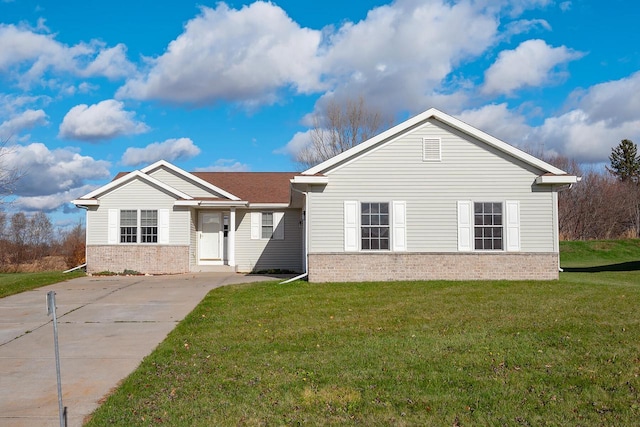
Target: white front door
[{"x": 210, "y": 242}]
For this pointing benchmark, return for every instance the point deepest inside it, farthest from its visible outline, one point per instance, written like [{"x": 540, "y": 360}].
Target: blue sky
[{"x": 88, "y": 89}]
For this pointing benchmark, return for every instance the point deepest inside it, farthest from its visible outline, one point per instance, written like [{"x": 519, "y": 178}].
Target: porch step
[{"x": 213, "y": 269}]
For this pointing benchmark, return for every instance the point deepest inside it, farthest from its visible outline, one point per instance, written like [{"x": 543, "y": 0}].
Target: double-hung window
[
  {"x": 132, "y": 231},
  {"x": 267, "y": 225},
  {"x": 138, "y": 226},
  {"x": 374, "y": 226},
  {"x": 488, "y": 226},
  {"x": 149, "y": 226}
]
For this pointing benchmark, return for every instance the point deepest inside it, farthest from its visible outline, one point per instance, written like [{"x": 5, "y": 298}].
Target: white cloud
[
  {"x": 400, "y": 57},
  {"x": 169, "y": 150},
  {"x": 26, "y": 120},
  {"x": 532, "y": 63},
  {"x": 51, "y": 202},
  {"x": 104, "y": 120},
  {"x": 497, "y": 120},
  {"x": 111, "y": 63},
  {"x": 225, "y": 165},
  {"x": 524, "y": 26},
  {"x": 244, "y": 55},
  {"x": 586, "y": 140},
  {"x": 615, "y": 102},
  {"x": 27, "y": 54},
  {"x": 598, "y": 119},
  {"x": 51, "y": 175},
  {"x": 299, "y": 141}
]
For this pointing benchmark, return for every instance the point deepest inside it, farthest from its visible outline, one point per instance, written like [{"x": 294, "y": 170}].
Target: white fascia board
[
  {"x": 557, "y": 179},
  {"x": 87, "y": 202},
  {"x": 223, "y": 203},
  {"x": 187, "y": 203},
  {"x": 132, "y": 175},
  {"x": 189, "y": 176},
  {"x": 446, "y": 119},
  {"x": 306, "y": 179},
  {"x": 496, "y": 143},
  {"x": 268, "y": 205},
  {"x": 211, "y": 203}
]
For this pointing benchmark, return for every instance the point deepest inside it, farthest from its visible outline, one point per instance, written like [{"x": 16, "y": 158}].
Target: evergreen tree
[{"x": 625, "y": 162}]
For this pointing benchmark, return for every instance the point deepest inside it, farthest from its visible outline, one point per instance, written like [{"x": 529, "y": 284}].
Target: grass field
[
  {"x": 14, "y": 283},
  {"x": 565, "y": 352}
]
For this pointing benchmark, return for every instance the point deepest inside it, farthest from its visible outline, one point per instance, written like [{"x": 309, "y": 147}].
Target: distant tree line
[
  {"x": 605, "y": 204},
  {"x": 30, "y": 243}
]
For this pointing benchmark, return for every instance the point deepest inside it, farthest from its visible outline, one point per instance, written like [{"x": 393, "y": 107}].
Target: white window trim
[
  {"x": 113, "y": 225},
  {"x": 510, "y": 226},
  {"x": 278, "y": 225},
  {"x": 353, "y": 226}
]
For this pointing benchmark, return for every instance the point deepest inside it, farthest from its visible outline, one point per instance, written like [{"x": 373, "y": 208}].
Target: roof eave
[
  {"x": 86, "y": 202},
  {"x": 557, "y": 179},
  {"x": 310, "y": 179}
]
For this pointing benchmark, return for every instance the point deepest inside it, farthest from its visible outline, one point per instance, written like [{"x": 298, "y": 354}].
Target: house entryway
[
  {"x": 214, "y": 246},
  {"x": 212, "y": 230}
]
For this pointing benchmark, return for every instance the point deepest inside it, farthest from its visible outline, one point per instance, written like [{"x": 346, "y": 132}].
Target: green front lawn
[
  {"x": 14, "y": 283},
  {"x": 562, "y": 352}
]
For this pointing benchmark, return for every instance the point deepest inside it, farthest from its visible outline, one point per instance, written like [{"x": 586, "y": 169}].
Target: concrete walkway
[{"x": 106, "y": 325}]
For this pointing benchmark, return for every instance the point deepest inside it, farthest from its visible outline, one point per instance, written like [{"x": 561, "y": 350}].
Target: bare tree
[
  {"x": 8, "y": 175},
  {"x": 40, "y": 235},
  {"x": 340, "y": 126},
  {"x": 73, "y": 245}
]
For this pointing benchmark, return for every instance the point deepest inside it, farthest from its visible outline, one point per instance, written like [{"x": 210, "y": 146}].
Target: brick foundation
[
  {"x": 148, "y": 259},
  {"x": 364, "y": 267}
]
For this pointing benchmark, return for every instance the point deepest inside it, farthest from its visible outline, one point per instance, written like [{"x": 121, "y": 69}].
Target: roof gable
[
  {"x": 123, "y": 179},
  {"x": 189, "y": 176},
  {"x": 406, "y": 126}
]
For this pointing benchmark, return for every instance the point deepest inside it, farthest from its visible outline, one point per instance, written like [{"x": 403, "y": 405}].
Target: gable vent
[{"x": 431, "y": 151}]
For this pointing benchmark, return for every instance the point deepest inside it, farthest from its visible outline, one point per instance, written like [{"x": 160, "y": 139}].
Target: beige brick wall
[
  {"x": 360, "y": 267},
  {"x": 151, "y": 259}
]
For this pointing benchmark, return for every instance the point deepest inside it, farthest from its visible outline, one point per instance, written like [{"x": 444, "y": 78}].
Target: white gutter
[
  {"x": 85, "y": 202},
  {"x": 557, "y": 179},
  {"x": 210, "y": 203}
]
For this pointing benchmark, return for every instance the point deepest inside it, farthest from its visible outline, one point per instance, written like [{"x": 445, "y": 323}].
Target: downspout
[
  {"x": 86, "y": 236},
  {"x": 305, "y": 257}
]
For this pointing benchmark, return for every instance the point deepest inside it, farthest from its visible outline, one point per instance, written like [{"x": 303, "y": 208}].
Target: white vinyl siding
[
  {"x": 137, "y": 195},
  {"x": 470, "y": 170},
  {"x": 180, "y": 183},
  {"x": 265, "y": 254}
]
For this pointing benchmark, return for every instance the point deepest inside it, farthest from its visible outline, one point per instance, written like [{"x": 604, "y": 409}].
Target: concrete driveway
[{"x": 106, "y": 325}]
